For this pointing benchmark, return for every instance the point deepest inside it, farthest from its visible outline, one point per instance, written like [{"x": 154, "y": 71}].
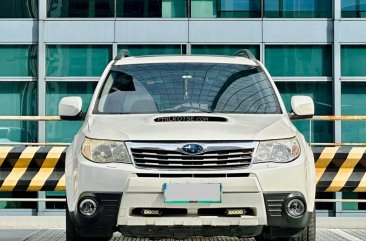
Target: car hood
[{"x": 144, "y": 127}]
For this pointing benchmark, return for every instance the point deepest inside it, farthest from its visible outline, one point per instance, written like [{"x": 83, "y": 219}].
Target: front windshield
[{"x": 187, "y": 88}]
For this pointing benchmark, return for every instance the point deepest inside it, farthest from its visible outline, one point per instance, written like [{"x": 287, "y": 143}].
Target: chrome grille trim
[
  {"x": 193, "y": 175},
  {"x": 169, "y": 156}
]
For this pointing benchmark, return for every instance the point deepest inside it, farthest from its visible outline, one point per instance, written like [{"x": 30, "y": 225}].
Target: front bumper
[
  {"x": 242, "y": 188},
  {"x": 116, "y": 213},
  {"x": 279, "y": 222},
  {"x": 103, "y": 223},
  {"x": 183, "y": 232}
]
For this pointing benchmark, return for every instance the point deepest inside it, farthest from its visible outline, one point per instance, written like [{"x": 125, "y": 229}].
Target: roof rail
[
  {"x": 122, "y": 54},
  {"x": 245, "y": 53}
]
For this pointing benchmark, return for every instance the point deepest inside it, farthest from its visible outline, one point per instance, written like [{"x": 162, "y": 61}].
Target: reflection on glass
[
  {"x": 55, "y": 195},
  {"x": 353, "y": 8},
  {"x": 77, "y": 60},
  {"x": 225, "y": 8},
  {"x": 19, "y": 9},
  {"x": 299, "y": 60},
  {"x": 18, "y": 205},
  {"x": 298, "y": 8},
  {"x": 351, "y": 205},
  {"x": 239, "y": 9},
  {"x": 324, "y": 206},
  {"x": 153, "y": 49},
  {"x": 18, "y": 99},
  {"x": 80, "y": 8},
  {"x": 64, "y": 131},
  {"x": 18, "y": 60},
  {"x": 188, "y": 88},
  {"x": 353, "y": 60},
  {"x": 229, "y": 50},
  {"x": 151, "y": 8},
  {"x": 321, "y": 92},
  {"x": 353, "y": 103}
]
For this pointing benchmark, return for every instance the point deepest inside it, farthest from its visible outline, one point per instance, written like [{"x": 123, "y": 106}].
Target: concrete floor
[
  {"x": 53, "y": 229},
  {"x": 59, "y": 235}
]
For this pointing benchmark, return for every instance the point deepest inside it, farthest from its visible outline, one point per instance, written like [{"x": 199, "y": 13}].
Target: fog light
[
  {"x": 235, "y": 212},
  {"x": 295, "y": 207},
  {"x": 88, "y": 207}
]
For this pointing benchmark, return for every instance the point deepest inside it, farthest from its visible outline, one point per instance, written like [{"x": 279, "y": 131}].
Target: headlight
[
  {"x": 102, "y": 151},
  {"x": 277, "y": 151}
]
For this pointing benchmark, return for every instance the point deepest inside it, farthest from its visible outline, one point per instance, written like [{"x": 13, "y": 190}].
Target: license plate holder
[{"x": 192, "y": 192}]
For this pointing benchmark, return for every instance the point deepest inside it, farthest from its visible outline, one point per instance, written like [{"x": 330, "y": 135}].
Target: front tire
[
  {"x": 72, "y": 233},
  {"x": 308, "y": 234}
]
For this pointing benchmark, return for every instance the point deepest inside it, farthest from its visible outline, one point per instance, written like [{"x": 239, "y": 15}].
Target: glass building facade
[{"x": 59, "y": 48}]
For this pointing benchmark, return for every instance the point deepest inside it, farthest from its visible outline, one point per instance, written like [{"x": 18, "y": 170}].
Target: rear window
[{"x": 187, "y": 88}]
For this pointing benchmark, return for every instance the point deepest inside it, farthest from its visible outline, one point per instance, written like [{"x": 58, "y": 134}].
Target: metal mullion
[
  {"x": 60, "y": 19},
  {"x": 262, "y": 48},
  {"x": 302, "y": 79},
  {"x": 280, "y": 8},
  {"x": 32, "y": 199},
  {"x": 114, "y": 50},
  {"x": 337, "y": 86},
  {"x": 353, "y": 79},
  {"x": 226, "y": 43},
  {"x": 154, "y": 43},
  {"x": 354, "y": 44},
  {"x": 18, "y": 43},
  {"x": 72, "y": 79},
  {"x": 358, "y": 7},
  {"x": 300, "y": 44},
  {"x": 41, "y": 206},
  {"x": 17, "y": 79},
  {"x": 78, "y": 43}
]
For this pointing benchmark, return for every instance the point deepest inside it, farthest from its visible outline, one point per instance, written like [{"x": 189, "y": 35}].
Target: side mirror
[
  {"x": 70, "y": 108},
  {"x": 302, "y": 107}
]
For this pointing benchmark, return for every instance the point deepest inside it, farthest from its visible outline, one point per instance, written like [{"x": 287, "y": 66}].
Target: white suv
[{"x": 180, "y": 146}]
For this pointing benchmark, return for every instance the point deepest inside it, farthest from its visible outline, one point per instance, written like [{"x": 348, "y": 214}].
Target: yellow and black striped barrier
[
  {"x": 340, "y": 169},
  {"x": 32, "y": 168}
]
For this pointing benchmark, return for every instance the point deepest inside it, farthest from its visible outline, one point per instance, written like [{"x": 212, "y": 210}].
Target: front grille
[
  {"x": 192, "y": 175},
  {"x": 214, "y": 156}
]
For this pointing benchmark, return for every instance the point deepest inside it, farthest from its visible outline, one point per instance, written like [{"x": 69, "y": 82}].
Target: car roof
[{"x": 186, "y": 59}]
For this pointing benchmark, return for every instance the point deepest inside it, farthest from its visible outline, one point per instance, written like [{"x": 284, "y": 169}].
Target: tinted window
[
  {"x": 225, "y": 8},
  {"x": 139, "y": 8},
  {"x": 151, "y": 8},
  {"x": 353, "y": 8},
  {"x": 19, "y": 99},
  {"x": 77, "y": 60},
  {"x": 18, "y": 60},
  {"x": 19, "y": 9},
  {"x": 187, "y": 87},
  {"x": 321, "y": 93},
  {"x": 239, "y": 8},
  {"x": 353, "y": 103},
  {"x": 299, "y": 60},
  {"x": 353, "y": 60},
  {"x": 298, "y": 8},
  {"x": 80, "y": 8}
]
